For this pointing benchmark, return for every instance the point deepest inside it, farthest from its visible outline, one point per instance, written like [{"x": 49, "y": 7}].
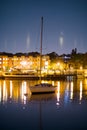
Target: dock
[{"x": 35, "y": 77}]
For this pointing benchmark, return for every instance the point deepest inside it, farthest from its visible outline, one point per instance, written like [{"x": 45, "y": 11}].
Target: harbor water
[{"x": 64, "y": 110}]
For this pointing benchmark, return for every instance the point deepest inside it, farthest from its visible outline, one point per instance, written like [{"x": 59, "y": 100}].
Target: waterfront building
[{"x": 22, "y": 63}]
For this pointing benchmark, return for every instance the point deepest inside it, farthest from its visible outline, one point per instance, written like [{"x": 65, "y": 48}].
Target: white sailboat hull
[{"x": 42, "y": 89}]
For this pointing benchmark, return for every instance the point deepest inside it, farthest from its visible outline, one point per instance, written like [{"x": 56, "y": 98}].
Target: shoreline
[{"x": 33, "y": 77}]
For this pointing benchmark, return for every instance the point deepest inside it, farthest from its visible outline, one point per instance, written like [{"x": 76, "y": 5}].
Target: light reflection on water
[{"x": 22, "y": 109}]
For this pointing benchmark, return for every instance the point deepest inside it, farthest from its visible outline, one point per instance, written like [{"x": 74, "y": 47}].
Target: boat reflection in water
[{"x": 65, "y": 109}]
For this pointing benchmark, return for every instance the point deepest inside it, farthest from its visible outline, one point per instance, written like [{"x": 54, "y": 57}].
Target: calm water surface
[{"x": 64, "y": 110}]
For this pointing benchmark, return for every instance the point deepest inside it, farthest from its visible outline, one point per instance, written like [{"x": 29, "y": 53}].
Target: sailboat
[{"x": 42, "y": 87}]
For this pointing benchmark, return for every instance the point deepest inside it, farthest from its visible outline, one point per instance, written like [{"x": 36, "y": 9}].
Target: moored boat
[{"x": 43, "y": 88}]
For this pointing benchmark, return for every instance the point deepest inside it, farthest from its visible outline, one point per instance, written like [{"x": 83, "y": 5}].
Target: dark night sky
[{"x": 20, "y": 25}]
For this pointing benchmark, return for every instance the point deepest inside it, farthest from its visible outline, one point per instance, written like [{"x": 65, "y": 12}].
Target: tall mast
[{"x": 41, "y": 45}]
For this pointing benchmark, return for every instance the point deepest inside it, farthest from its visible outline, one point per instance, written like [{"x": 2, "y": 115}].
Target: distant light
[
  {"x": 61, "y": 39},
  {"x": 28, "y": 42},
  {"x": 81, "y": 68},
  {"x": 23, "y": 63}
]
